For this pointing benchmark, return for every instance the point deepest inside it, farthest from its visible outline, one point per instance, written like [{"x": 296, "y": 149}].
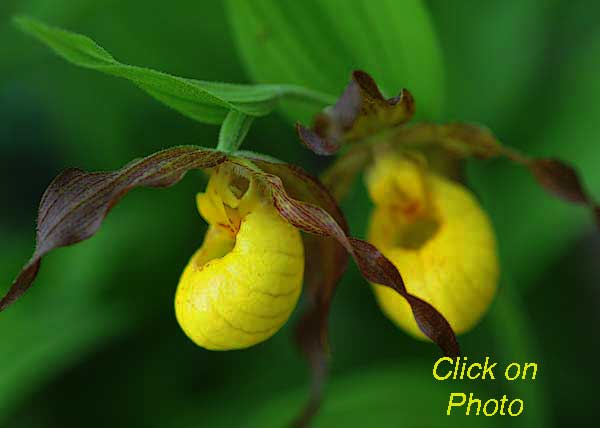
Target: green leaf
[
  {"x": 233, "y": 131},
  {"x": 317, "y": 44},
  {"x": 495, "y": 53},
  {"x": 204, "y": 101}
]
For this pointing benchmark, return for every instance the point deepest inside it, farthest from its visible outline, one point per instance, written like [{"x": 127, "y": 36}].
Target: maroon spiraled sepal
[{"x": 360, "y": 111}]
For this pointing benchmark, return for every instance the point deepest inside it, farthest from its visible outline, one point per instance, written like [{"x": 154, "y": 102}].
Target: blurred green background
[{"x": 95, "y": 341}]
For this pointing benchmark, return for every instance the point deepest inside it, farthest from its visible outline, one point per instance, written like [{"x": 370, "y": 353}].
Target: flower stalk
[{"x": 233, "y": 131}]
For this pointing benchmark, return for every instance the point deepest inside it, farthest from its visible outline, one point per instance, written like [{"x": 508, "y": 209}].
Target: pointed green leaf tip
[{"x": 204, "y": 101}]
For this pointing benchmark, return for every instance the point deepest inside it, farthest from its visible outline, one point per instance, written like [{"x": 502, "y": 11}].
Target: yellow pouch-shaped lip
[
  {"x": 439, "y": 238},
  {"x": 243, "y": 283}
]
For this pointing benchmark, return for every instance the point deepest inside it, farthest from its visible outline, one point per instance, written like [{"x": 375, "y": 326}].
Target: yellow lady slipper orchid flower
[
  {"x": 437, "y": 235},
  {"x": 242, "y": 284}
]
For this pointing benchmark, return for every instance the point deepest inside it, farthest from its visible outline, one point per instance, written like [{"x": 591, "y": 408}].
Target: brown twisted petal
[
  {"x": 360, "y": 111},
  {"x": 76, "y": 202}
]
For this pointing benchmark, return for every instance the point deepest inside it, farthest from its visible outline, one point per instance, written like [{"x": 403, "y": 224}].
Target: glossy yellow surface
[
  {"x": 243, "y": 283},
  {"x": 439, "y": 238}
]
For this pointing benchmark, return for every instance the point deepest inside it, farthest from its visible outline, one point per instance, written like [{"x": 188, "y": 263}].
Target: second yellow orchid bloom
[{"x": 437, "y": 235}]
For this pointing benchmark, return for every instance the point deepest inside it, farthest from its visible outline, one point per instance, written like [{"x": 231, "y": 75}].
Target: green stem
[{"x": 233, "y": 131}]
